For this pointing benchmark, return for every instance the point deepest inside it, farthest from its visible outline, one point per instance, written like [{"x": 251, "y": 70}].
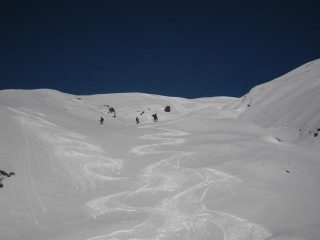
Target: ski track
[
  {"x": 74, "y": 154},
  {"x": 172, "y": 196}
]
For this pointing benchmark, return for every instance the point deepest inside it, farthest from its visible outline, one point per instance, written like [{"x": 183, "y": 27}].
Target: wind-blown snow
[
  {"x": 291, "y": 101},
  {"x": 211, "y": 168}
]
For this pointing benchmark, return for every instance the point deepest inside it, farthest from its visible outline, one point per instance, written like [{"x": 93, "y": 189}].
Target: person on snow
[
  {"x": 137, "y": 120},
  {"x": 5, "y": 174},
  {"x": 101, "y": 120},
  {"x": 155, "y": 117},
  {"x": 112, "y": 110}
]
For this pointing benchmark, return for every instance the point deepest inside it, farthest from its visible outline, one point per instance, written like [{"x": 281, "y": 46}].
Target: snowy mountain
[
  {"x": 291, "y": 102},
  {"x": 211, "y": 168}
]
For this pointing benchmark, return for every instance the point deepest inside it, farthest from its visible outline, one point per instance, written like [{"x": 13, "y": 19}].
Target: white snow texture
[{"x": 215, "y": 168}]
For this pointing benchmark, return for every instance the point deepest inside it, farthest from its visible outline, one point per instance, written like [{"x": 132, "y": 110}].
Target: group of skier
[
  {"x": 112, "y": 110},
  {"x": 155, "y": 119}
]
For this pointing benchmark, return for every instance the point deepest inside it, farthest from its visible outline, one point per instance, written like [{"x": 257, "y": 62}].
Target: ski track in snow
[
  {"x": 172, "y": 196},
  {"x": 85, "y": 163},
  {"x": 30, "y": 177}
]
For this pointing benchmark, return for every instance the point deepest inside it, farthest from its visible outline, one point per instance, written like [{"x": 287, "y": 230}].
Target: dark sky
[{"x": 176, "y": 48}]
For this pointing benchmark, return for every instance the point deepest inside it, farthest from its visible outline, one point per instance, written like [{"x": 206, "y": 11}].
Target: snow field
[{"x": 172, "y": 196}]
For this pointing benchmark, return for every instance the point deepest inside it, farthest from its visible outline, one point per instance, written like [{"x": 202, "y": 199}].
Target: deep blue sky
[{"x": 177, "y": 48}]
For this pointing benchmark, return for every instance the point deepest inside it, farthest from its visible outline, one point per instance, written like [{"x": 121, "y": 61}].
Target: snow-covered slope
[
  {"x": 291, "y": 101},
  {"x": 205, "y": 170}
]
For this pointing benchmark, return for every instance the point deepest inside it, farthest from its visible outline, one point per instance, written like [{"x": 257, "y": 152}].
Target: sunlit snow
[{"x": 215, "y": 168}]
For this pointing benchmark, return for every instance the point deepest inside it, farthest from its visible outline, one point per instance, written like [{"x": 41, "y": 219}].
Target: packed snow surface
[{"x": 212, "y": 168}]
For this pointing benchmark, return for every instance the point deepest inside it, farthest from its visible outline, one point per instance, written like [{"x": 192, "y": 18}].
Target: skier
[
  {"x": 112, "y": 110},
  {"x": 155, "y": 117},
  {"x": 5, "y": 174},
  {"x": 137, "y": 120},
  {"x": 101, "y": 120}
]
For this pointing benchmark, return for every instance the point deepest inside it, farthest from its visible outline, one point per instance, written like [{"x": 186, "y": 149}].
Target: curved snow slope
[
  {"x": 198, "y": 173},
  {"x": 291, "y": 101},
  {"x": 62, "y": 158},
  {"x": 127, "y": 105}
]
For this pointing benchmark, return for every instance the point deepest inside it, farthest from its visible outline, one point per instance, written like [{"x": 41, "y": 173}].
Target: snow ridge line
[{"x": 175, "y": 204}]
